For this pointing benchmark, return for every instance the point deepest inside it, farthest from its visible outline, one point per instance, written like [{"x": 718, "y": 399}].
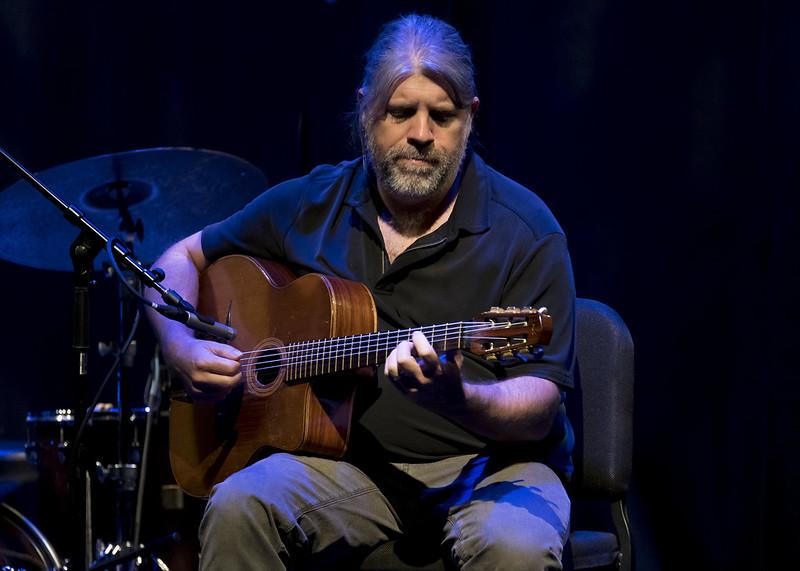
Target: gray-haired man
[{"x": 445, "y": 448}]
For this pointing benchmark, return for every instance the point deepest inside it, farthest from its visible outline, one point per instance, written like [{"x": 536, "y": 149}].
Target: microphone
[{"x": 197, "y": 322}]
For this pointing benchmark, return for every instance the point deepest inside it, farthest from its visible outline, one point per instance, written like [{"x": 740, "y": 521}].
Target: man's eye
[
  {"x": 442, "y": 116},
  {"x": 396, "y": 113}
]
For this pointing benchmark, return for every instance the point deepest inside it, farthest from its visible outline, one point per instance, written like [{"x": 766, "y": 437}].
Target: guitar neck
[{"x": 306, "y": 359}]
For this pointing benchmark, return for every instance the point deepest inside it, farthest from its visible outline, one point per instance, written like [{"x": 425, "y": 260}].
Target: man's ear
[{"x": 473, "y": 107}]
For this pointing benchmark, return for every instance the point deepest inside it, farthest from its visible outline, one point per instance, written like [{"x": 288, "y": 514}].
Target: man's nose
[{"x": 420, "y": 133}]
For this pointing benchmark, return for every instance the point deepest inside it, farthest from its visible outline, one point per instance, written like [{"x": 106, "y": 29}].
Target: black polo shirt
[{"x": 501, "y": 246}]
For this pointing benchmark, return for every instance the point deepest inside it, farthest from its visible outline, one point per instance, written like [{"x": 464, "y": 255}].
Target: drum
[
  {"x": 50, "y": 434},
  {"x": 50, "y": 439},
  {"x": 22, "y": 546}
]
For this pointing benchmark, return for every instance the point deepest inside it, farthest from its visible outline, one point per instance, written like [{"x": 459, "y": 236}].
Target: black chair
[{"x": 601, "y": 411}]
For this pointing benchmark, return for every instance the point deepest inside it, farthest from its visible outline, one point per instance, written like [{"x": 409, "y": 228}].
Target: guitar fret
[
  {"x": 318, "y": 362},
  {"x": 298, "y": 362},
  {"x": 306, "y": 363},
  {"x": 295, "y": 360},
  {"x": 352, "y": 339},
  {"x": 298, "y": 373}
]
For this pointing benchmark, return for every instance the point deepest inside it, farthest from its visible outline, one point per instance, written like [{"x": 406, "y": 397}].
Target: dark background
[{"x": 663, "y": 136}]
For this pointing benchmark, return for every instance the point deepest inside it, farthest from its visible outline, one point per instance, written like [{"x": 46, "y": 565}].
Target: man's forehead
[{"x": 417, "y": 88}]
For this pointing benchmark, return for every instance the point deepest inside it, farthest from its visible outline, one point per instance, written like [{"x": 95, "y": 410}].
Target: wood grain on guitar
[{"x": 302, "y": 340}]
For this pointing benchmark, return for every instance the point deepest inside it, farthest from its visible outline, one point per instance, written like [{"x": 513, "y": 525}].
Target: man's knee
[
  {"x": 510, "y": 547},
  {"x": 244, "y": 498}
]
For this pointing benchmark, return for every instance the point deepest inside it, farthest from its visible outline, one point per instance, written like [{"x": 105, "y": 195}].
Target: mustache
[{"x": 432, "y": 156}]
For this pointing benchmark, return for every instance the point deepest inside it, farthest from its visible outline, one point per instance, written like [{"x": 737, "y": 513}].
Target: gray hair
[{"x": 414, "y": 44}]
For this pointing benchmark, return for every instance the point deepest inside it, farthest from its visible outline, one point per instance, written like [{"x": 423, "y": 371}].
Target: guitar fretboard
[{"x": 307, "y": 359}]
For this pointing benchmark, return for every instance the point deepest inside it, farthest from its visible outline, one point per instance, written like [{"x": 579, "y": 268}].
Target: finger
[
  {"x": 427, "y": 358},
  {"x": 390, "y": 367},
  {"x": 407, "y": 362},
  {"x": 223, "y": 350},
  {"x": 221, "y": 367},
  {"x": 216, "y": 358}
]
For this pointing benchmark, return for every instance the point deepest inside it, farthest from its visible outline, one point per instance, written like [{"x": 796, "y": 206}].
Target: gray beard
[{"x": 415, "y": 182}]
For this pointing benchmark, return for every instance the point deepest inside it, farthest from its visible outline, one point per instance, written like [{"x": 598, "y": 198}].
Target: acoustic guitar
[{"x": 306, "y": 342}]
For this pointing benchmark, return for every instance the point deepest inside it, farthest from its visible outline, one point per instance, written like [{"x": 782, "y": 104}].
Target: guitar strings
[
  {"x": 349, "y": 341},
  {"x": 375, "y": 339},
  {"x": 275, "y": 355},
  {"x": 330, "y": 364},
  {"x": 301, "y": 357},
  {"x": 330, "y": 361},
  {"x": 274, "y": 358}
]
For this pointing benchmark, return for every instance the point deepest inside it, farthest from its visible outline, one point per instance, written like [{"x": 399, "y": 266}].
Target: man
[{"x": 447, "y": 448}]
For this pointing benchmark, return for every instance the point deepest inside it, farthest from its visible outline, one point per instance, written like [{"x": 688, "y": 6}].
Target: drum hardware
[
  {"x": 122, "y": 477},
  {"x": 114, "y": 554},
  {"x": 152, "y": 393},
  {"x": 23, "y": 546},
  {"x": 117, "y": 187}
]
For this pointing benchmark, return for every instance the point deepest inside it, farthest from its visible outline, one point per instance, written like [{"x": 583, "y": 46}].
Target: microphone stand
[
  {"x": 90, "y": 241},
  {"x": 82, "y": 253}
]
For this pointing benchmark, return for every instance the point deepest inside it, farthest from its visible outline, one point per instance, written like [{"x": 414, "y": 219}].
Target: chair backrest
[{"x": 601, "y": 407}]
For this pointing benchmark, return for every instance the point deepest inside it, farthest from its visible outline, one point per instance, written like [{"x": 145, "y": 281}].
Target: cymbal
[{"x": 168, "y": 192}]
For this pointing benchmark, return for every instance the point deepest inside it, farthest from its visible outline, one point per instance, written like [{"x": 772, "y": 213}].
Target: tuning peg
[{"x": 507, "y": 358}]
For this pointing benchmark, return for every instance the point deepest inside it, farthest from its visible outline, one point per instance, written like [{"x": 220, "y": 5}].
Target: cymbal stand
[
  {"x": 90, "y": 241},
  {"x": 153, "y": 406}
]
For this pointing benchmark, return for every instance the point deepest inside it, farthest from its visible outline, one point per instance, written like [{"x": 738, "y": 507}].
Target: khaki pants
[{"x": 298, "y": 512}]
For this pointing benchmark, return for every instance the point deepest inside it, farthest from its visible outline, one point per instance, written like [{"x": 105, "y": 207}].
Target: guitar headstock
[{"x": 513, "y": 333}]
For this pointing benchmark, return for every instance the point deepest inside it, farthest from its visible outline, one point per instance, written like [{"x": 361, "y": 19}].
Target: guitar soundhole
[
  {"x": 263, "y": 367},
  {"x": 268, "y": 372}
]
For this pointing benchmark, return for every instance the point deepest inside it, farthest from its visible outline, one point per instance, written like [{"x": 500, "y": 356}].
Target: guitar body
[{"x": 269, "y": 308}]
